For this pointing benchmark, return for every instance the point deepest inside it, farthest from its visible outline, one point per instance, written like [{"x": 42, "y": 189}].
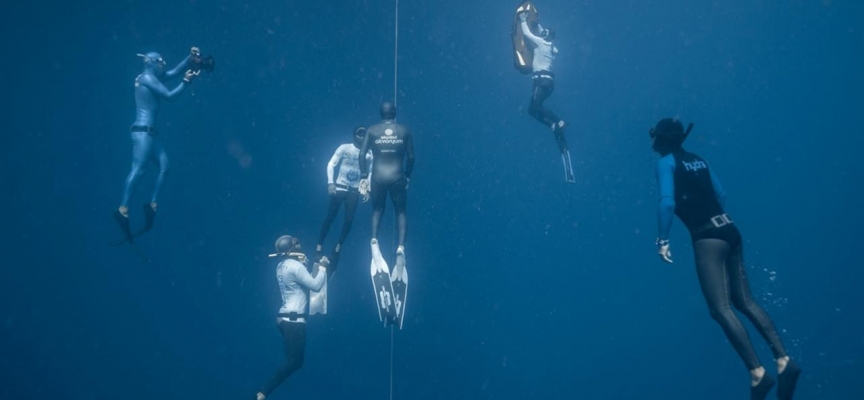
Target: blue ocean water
[{"x": 522, "y": 286}]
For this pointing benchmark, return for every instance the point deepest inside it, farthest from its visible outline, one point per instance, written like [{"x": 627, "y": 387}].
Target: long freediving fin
[
  {"x": 381, "y": 285},
  {"x": 399, "y": 280},
  {"x": 568, "y": 167},
  {"x": 123, "y": 221},
  {"x": 149, "y": 220},
  {"x": 140, "y": 253},
  {"x": 318, "y": 300}
]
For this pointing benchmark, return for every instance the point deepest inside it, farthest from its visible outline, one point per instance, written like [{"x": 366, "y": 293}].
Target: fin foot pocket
[
  {"x": 788, "y": 380},
  {"x": 760, "y": 391}
]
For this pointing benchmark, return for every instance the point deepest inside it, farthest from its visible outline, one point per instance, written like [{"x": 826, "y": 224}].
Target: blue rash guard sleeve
[
  {"x": 666, "y": 183},
  {"x": 179, "y": 69},
  {"x": 159, "y": 89},
  {"x": 718, "y": 189}
]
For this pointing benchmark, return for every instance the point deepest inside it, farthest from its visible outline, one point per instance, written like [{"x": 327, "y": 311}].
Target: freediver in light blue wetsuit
[
  {"x": 690, "y": 190},
  {"x": 149, "y": 94}
]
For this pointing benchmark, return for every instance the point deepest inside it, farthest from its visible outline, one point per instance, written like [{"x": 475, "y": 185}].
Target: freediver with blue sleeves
[
  {"x": 691, "y": 190},
  {"x": 150, "y": 92}
]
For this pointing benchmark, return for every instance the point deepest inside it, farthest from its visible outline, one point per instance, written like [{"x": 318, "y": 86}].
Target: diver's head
[
  {"x": 388, "y": 111},
  {"x": 668, "y": 135},
  {"x": 289, "y": 247},
  {"x": 153, "y": 62},
  {"x": 547, "y": 34},
  {"x": 359, "y": 135}
]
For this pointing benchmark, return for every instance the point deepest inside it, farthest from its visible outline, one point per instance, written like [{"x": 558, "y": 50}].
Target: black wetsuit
[
  {"x": 718, "y": 250},
  {"x": 392, "y": 148},
  {"x": 294, "y": 340}
]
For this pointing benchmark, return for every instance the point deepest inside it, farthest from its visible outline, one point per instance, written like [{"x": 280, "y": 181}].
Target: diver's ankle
[
  {"x": 756, "y": 375},
  {"x": 260, "y": 396},
  {"x": 782, "y": 362},
  {"x": 124, "y": 211},
  {"x": 154, "y": 205}
]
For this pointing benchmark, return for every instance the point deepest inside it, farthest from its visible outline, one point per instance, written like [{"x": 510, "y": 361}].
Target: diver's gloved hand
[
  {"x": 364, "y": 189},
  {"x": 331, "y": 188},
  {"x": 663, "y": 250},
  {"x": 195, "y": 51},
  {"x": 523, "y": 16},
  {"x": 190, "y": 75}
]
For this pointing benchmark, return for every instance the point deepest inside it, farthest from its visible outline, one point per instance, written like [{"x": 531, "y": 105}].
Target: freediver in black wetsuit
[
  {"x": 690, "y": 190},
  {"x": 392, "y": 147}
]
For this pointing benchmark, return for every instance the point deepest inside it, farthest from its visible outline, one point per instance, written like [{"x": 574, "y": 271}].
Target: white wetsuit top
[
  {"x": 293, "y": 280},
  {"x": 544, "y": 52},
  {"x": 346, "y": 157}
]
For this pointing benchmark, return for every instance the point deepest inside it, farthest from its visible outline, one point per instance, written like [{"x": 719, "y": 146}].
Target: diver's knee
[{"x": 720, "y": 314}]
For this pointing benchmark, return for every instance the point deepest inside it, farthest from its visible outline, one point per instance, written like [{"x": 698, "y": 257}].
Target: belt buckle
[{"x": 720, "y": 221}]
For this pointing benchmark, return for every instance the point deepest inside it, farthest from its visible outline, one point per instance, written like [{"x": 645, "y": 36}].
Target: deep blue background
[{"x": 522, "y": 286}]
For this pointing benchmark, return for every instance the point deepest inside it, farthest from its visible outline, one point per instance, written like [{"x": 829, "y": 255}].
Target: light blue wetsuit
[{"x": 149, "y": 94}]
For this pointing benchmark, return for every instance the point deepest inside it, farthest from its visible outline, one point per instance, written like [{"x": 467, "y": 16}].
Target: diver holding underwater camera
[{"x": 146, "y": 146}]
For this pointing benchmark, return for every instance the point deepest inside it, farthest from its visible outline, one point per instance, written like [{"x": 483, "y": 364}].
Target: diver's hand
[
  {"x": 331, "y": 188},
  {"x": 190, "y": 75},
  {"x": 364, "y": 189},
  {"x": 195, "y": 51},
  {"x": 523, "y": 16},
  {"x": 663, "y": 250}
]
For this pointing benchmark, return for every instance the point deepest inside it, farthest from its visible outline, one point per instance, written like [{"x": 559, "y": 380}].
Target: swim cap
[
  {"x": 360, "y": 131},
  {"x": 388, "y": 110}
]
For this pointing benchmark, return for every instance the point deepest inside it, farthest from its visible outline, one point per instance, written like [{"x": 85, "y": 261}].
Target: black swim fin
[
  {"x": 123, "y": 221},
  {"x": 760, "y": 391},
  {"x": 787, "y": 381},
  {"x": 334, "y": 262},
  {"x": 149, "y": 219}
]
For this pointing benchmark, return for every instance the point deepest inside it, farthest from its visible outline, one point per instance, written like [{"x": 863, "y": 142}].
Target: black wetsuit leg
[
  {"x": 336, "y": 201},
  {"x": 379, "y": 199},
  {"x": 294, "y": 339},
  {"x": 723, "y": 282},
  {"x": 743, "y": 301},
  {"x": 543, "y": 88},
  {"x": 399, "y": 196},
  {"x": 351, "y": 198}
]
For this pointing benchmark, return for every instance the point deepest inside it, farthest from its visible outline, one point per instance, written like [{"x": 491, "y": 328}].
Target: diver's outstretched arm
[
  {"x": 179, "y": 69},
  {"x": 150, "y": 82}
]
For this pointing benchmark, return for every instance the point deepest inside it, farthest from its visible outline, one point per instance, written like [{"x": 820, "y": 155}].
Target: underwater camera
[{"x": 199, "y": 63}]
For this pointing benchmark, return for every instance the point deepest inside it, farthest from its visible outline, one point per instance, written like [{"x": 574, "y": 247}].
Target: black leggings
[
  {"x": 399, "y": 195},
  {"x": 349, "y": 198},
  {"x": 720, "y": 267},
  {"x": 294, "y": 339},
  {"x": 543, "y": 88}
]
